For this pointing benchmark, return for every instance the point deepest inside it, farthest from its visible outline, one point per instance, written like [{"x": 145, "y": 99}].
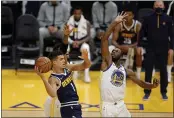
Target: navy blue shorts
[{"x": 73, "y": 111}]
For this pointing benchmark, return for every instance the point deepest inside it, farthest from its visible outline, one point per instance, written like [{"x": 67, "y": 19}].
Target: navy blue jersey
[{"x": 67, "y": 92}]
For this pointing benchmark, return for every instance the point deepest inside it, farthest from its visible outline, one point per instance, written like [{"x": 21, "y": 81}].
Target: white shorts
[
  {"x": 52, "y": 107},
  {"x": 114, "y": 110}
]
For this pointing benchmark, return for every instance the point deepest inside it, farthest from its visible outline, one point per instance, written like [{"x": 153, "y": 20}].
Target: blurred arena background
[{"x": 23, "y": 93}]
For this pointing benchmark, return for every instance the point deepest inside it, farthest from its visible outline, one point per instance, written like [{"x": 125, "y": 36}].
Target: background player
[
  {"x": 125, "y": 38},
  {"x": 113, "y": 81}
]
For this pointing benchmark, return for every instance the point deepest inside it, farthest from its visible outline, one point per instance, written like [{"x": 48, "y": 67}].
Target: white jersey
[{"x": 113, "y": 84}]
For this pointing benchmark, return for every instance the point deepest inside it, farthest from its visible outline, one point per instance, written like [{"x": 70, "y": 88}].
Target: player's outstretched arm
[
  {"x": 81, "y": 66},
  {"x": 52, "y": 85},
  {"x": 146, "y": 85},
  {"x": 104, "y": 40},
  {"x": 66, "y": 32}
]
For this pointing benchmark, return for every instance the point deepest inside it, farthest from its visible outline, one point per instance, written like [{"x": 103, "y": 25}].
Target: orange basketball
[{"x": 44, "y": 64}]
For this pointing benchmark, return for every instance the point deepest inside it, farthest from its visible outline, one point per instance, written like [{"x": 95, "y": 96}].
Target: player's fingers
[{"x": 122, "y": 13}]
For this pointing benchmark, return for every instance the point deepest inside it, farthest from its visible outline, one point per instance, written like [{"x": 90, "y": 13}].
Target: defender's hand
[
  {"x": 84, "y": 55},
  {"x": 155, "y": 83},
  {"x": 67, "y": 30},
  {"x": 121, "y": 17}
]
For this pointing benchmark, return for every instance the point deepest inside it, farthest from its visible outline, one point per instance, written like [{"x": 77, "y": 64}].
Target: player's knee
[{"x": 93, "y": 33}]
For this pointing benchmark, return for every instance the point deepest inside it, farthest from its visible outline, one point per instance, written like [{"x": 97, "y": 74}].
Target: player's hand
[
  {"x": 155, "y": 83},
  {"x": 121, "y": 17},
  {"x": 67, "y": 31},
  {"x": 84, "y": 55},
  {"x": 39, "y": 72}
]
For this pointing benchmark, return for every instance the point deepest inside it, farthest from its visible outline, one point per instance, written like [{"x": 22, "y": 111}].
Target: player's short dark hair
[
  {"x": 77, "y": 8},
  {"x": 53, "y": 55},
  {"x": 129, "y": 8},
  {"x": 61, "y": 46}
]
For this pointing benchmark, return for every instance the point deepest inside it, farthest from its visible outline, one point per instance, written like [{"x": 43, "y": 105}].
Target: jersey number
[
  {"x": 73, "y": 87},
  {"x": 127, "y": 41}
]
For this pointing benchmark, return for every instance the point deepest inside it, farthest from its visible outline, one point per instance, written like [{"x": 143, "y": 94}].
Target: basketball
[{"x": 44, "y": 64}]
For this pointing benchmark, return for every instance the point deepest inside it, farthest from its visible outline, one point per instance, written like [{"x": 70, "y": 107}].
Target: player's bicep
[
  {"x": 131, "y": 75},
  {"x": 55, "y": 83},
  {"x": 106, "y": 62}
]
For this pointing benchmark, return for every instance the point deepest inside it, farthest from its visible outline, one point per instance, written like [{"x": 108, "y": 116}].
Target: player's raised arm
[
  {"x": 146, "y": 85},
  {"x": 81, "y": 66},
  {"x": 104, "y": 40},
  {"x": 66, "y": 32},
  {"x": 52, "y": 85}
]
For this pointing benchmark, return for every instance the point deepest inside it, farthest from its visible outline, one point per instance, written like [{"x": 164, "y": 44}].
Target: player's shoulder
[{"x": 138, "y": 22}]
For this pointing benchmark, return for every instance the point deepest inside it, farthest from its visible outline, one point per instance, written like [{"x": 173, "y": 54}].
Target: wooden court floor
[{"x": 23, "y": 95}]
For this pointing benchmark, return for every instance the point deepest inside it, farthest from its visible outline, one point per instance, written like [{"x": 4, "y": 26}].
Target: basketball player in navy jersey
[
  {"x": 52, "y": 105},
  {"x": 113, "y": 80},
  {"x": 60, "y": 83},
  {"x": 125, "y": 38}
]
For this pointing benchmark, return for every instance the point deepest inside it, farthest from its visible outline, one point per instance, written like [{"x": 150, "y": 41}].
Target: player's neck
[
  {"x": 129, "y": 23},
  {"x": 58, "y": 70},
  {"x": 117, "y": 63}
]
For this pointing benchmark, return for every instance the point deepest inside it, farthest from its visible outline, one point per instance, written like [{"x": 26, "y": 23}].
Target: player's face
[
  {"x": 61, "y": 61},
  {"x": 159, "y": 4},
  {"x": 116, "y": 54},
  {"x": 77, "y": 14},
  {"x": 129, "y": 17}
]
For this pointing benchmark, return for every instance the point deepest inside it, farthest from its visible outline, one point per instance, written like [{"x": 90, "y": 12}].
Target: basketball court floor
[{"x": 23, "y": 95}]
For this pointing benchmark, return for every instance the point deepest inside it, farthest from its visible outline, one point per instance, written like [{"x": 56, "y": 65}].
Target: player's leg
[
  {"x": 149, "y": 64},
  {"x": 87, "y": 76},
  {"x": 162, "y": 59},
  {"x": 43, "y": 32},
  {"x": 169, "y": 66},
  {"x": 51, "y": 107},
  {"x": 107, "y": 110},
  {"x": 139, "y": 55},
  {"x": 71, "y": 111},
  {"x": 47, "y": 106},
  {"x": 123, "y": 111},
  {"x": 130, "y": 58},
  {"x": 77, "y": 112}
]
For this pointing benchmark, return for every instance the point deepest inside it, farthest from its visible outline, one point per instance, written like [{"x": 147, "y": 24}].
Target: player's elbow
[{"x": 52, "y": 94}]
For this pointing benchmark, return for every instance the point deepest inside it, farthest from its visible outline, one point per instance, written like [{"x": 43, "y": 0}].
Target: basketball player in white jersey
[{"x": 113, "y": 80}]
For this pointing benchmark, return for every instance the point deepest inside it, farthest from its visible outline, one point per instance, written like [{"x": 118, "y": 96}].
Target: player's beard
[{"x": 115, "y": 59}]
